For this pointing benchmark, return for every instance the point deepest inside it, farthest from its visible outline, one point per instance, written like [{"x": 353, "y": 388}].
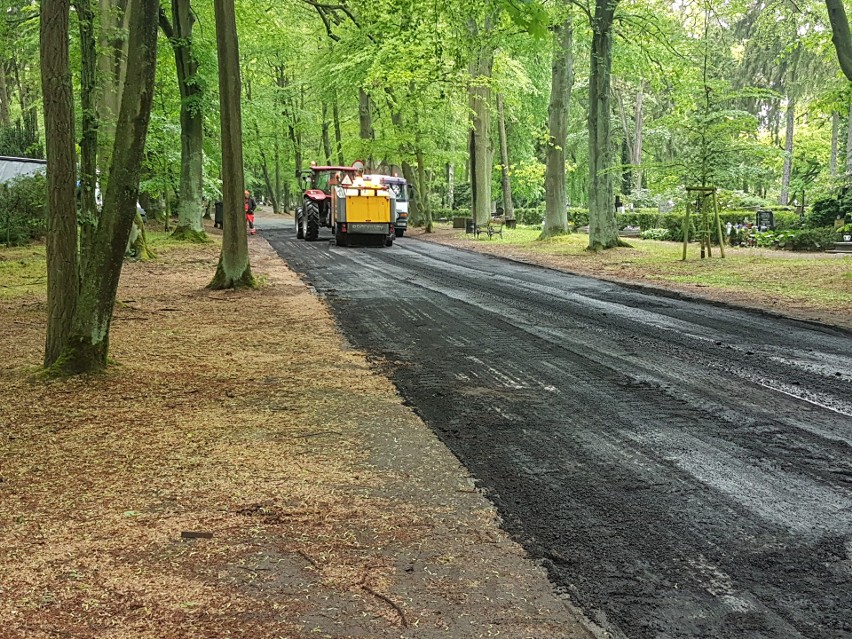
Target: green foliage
[
  {"x": 19, "y": 141},
  {"x": 655, "y": 234},
  {"x": 23, "y": 209},
  {"x": 825, "y": 211},
  {"x": 811, "y": 239}
]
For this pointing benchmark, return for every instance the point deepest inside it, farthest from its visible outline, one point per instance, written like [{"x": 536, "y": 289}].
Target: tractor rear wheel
[
  {"x": 300, "y": 230},
  {"x": 312, "y": 217}
]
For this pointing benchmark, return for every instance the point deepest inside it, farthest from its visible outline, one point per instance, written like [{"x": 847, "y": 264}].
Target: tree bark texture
[
  {"x": 451, "y": 184},
  {"x": 603, "y": 229},
  {"x": 234, "y": 270},
  {"x": 480, "y": 134},
  {"x": 840, "y": 35},
  {"x": 191, "y": 189},
  {"x": 89, "y": 139},
  {"x": 338, "y": 138},
  {"x": 62, "y": 283},
  {"x": 88, "y": 343},
  {"x": 508, "y": 206},
  {"x": 562, "y": 79},
  {"x": 4, "y": 95},
  {"x": 112, "y": 69},
  {"x": 639, "y": 119},
  {"x": 326, "y": 138},
  {"x": 788, "y": 152},
  {"x": 835, "y": 143},
  {"x": 849, "y": 142},
  {"x": 365, "y": 121},
  {"x": 423, "y": 190}
]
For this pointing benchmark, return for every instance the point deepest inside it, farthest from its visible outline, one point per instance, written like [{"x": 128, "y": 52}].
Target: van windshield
[{"x": 399, "y": 191}]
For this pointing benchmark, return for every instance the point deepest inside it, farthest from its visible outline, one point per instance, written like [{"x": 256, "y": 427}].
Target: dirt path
[{"x": 334, "y": 512}]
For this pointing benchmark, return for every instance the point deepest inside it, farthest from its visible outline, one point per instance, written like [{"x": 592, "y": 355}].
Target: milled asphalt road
[{"x": 682, "y": 469}]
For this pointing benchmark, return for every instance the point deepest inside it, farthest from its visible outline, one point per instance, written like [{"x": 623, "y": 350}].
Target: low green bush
[
  {"x": 655, "y": 234},
  {"x": 23, "y": 210},
  {"x": 817, "y": 239}
]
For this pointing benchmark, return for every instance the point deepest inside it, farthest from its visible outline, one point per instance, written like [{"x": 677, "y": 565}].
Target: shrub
[
  {"x": 655, "y": 234},
  {"x": 801, "y": 240},
  {"x": 531, "y": 217},
  {"x": 23, "y": 209}
]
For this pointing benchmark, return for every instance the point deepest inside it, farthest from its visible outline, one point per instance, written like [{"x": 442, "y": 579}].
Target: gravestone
[{"x": 764, "y": 220}]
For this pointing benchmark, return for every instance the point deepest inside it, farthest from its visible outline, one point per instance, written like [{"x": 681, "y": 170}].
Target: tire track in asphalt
[{"x": 683, "y": 470}]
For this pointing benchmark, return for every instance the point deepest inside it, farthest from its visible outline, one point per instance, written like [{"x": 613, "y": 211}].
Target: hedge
[{"x": 23, "y": 210}]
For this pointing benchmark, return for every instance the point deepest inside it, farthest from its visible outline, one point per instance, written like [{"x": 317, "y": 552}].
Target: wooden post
[{"x": 718, "y": 224}]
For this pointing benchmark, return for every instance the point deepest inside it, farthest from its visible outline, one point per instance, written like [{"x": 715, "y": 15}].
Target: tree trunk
[
  {"x": 603, "y": 229},
  {"x": 191, "y": 190},
  {"x": 508, "y": 207},
  {"x": 62, "y": 283},
  {"x": 562, "y": 80},
  {"x": 784, "y": 197},
  {"x": 286, "y": 204},
  {"x": 840, "y": 35},
  {"x": 326, "y": 140},
  {"x": 112, "y": 69},
  {"x": 425, "y": 210},
  {"x": 365, "y": 120},
  {"x": 835, "y": 143},
  {"x": 4, "y": 95},
  {"x": 338, "y": 138},
  {"x": 88, "y": 342},
  {"x": 234, "y": 270},
  {"x": 480, "y": 134},
  {"x": 849, "y": 142},
  {"x": 636, "y": 159},
  {"x": 451, "y": 184},
  {"x": 89, "y": 140}
]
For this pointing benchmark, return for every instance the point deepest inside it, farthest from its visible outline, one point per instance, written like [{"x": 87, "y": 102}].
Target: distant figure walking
[{"x": 251, "y": 205}]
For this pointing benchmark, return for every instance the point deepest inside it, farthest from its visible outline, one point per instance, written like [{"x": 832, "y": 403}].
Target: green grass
[
  {"x": 808, "y": 278},
  {"x": 23, "y": 271}
]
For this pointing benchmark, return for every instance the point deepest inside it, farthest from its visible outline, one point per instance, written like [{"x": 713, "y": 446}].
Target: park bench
[{"x": 492, "y": 227}]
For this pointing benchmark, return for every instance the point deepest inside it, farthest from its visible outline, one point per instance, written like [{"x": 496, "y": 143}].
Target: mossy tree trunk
[
  {"x": 87, "y": 346},
  {"x": 365, "y": 125},
  {"x": 506, "y": 180},
  {"x": 61, "y": 175},
  {"x": 479, "y": 94},
  {"x": 89, "y": 139},
  {"x": 112, "y": 70},
  {"x": 234, "y": 270},
  {"x": 603, "y": 229},
  {"x": 190, "y": 192},
  {"x": 562, "y": 81}
]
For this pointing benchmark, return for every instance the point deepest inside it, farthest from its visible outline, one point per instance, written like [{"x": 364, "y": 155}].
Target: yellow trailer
[{"x": 363, "y": 211}]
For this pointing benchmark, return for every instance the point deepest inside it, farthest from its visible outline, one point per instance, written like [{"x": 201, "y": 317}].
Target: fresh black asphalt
[{"x": 681, "y": 469}]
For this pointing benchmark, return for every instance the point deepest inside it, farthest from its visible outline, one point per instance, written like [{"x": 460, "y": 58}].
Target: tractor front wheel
[{"x": 312, "y": 217}]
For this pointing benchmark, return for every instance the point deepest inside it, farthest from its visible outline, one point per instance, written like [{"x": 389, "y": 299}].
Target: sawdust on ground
[{"x": 325, "y": 507}]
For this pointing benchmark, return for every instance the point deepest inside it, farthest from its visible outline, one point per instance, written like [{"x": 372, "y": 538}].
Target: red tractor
[{"x": 315, "y": 211}]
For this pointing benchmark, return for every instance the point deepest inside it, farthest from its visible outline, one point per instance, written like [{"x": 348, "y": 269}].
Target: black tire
[
  {"x": 342, "y": 239},
  {"x": 399, "y": 232},
  {"x": 312, "y": 220},
  {"x": 300, "y": 231},
  {"x": 389, "y": 241}
]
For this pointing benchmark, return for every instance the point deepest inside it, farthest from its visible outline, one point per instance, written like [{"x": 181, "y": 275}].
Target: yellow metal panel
[{"x": 367, "y": 209}]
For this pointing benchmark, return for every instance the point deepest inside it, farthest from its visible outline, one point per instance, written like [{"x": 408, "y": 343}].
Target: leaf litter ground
[{"x": 334, "y": 512}]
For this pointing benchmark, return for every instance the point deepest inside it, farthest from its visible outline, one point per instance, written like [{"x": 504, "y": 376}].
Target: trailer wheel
[
  {"x": 341, "y": 239},
  {"x": 300, "y": 230},
  {"x": 389, "y": 241},
  {"x": 312, "y": 217},
  {"x": 399, "y": 232}
]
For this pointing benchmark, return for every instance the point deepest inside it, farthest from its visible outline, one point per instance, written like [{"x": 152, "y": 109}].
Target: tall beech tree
[
  {"x": 87, "y": 344},
  {"x": 234, "y": 270},
  {"x": 556, "y": 217},
  {"x": 61, "y": 175},
  {"x": 179, "y": 31}
]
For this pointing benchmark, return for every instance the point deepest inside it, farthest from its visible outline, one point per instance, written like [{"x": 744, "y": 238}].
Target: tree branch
[{"x": 840, "y": 35}]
